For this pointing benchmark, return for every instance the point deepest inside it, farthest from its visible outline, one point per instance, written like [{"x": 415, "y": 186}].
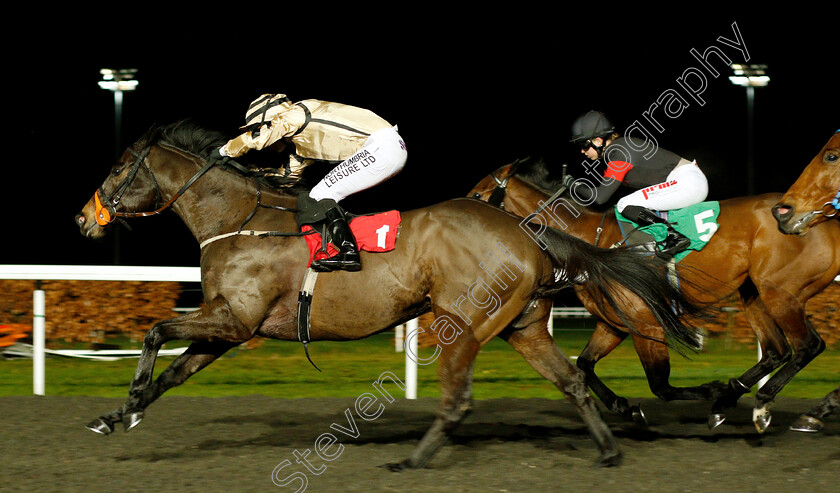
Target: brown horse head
[
  {"x": 809, "y": 201},
  {"x": 101, "y": 210}
]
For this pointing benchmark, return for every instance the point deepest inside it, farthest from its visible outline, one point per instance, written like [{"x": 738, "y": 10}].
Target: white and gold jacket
[{"x": 318, "y": 130}]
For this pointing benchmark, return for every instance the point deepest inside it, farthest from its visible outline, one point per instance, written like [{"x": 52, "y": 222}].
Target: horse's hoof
[
  {"x": 609, "y": 459},
  {"x": 131, "y": 420},
  {"x": 638, "y": 416},
  {"x": 716, "y": 419},
  {"x": 397, "y": 466},
  {"x": 807, "y": 424},
  {"x": 100, "y": 426},
  {"x": 761, "y": 419}
]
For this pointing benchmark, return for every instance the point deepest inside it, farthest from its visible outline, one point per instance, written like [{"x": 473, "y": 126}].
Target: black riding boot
[
  {"x": 674, "y": 242},
  {"x": 342, "y": 238}
]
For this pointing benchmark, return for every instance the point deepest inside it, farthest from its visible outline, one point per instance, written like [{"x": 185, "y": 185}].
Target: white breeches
[
  {"x": 686, "y": 185},
  {"x": 383, "y": 156}
]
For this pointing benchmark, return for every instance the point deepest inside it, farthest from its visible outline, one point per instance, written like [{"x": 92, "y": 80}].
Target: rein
[
  {"x": 105, "y": 206},
  {"x": 497, "y": 197},
  {"x": 106, "y": 211}
]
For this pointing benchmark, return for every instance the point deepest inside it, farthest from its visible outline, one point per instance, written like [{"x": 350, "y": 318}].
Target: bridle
[
  {"x": 832, "y": 207},
  {"x": 105, "y": 205},
  {"x": 497, "y": 196},
  {"x": 105, "y": 210}
]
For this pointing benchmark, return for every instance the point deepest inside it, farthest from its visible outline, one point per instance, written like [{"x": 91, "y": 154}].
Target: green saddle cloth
[{"x": 698, "y": 222}]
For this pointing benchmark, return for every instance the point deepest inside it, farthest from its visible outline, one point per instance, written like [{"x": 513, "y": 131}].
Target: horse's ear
[{"x": 151, "y": 135}]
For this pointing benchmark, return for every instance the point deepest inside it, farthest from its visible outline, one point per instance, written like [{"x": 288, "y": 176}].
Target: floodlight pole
[
  {"x": 750, "y": 76},
  {"x": 750, "y": 140},
  {"x": 118, "y": 101},
  {"x": 118, "y": 81}
]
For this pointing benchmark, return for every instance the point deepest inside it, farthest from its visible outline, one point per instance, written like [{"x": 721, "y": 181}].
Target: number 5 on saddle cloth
[{"x": 698, "y": 222}]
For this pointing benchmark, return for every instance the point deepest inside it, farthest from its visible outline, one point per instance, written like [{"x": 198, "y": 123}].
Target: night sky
[{"x": 469, "y": 94}]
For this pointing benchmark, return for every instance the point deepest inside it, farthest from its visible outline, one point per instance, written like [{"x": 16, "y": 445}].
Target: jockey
[
  {"x": 365, "y": 148},
  {"x": 663, "y": 180}
]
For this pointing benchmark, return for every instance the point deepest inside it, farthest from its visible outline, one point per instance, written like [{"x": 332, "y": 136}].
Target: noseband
[{"x": 498, "y": 195}]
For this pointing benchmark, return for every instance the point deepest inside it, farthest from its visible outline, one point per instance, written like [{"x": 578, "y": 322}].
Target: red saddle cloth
[{"x": 374, "y": 233}]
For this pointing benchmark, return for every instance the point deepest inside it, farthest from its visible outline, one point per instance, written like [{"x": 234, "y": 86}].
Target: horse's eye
[
  {"x": 831, "y": 157},
  {"x": 116, "y": 170}
]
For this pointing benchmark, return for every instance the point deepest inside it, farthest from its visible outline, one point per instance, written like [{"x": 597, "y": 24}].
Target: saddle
[
  {"x": 373, "y": 232},
  {"x": 698, "y": 222}
]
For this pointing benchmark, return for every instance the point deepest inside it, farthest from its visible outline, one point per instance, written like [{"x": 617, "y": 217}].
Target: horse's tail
[{"x": 600, "y": 271}]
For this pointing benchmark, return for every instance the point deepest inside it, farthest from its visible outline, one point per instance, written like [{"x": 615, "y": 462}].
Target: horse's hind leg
[
  {"x": 538, "y": 348},
  {"x": 214, "y": 323},
  {"x": 603, "y": 340},
  {"x": 656, "y": 361},
  {"x": 812, "y": 420},
  {"x": 455, "y": 364}
]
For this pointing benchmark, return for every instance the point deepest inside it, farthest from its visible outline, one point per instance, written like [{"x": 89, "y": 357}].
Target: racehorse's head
[
  {"x": 129, "y": 187},
  {"x": 813, "y": 197},
  {"x": 492, "y": 188}
]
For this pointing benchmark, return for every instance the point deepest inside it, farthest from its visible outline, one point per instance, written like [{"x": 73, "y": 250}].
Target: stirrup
[
  {"x": 341, "y": 237},
  {"x": 349, "y": 261},
  {"x": 675, "y": 243}
]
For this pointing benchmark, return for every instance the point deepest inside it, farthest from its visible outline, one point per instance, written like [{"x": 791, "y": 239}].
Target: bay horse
[
  {"x": 773, "y": 274},
  {"x": 440, "y": 263},
  {"x": 813, "y": 204}
]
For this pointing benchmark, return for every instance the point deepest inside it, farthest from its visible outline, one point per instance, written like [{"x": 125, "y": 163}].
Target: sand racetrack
[{"x": 237, "y": 443}]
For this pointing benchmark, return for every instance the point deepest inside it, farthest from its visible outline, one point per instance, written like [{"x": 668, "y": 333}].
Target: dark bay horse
[
  {"x": 775, "y": 275},
  {"x": 469, "y": 263},
  {"x": 811, "y": 205}
]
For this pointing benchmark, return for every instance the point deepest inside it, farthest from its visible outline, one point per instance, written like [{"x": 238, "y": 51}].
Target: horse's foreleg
[
  {"x": 774, "y": 352},
  {"x": 603, "y": 340},
  {"x": 196, "y": 357},
  {"x": 455, "y": 364},
  {"x": 538, "y": 348},
  {"x": 213, "y": 323},
  {"x": 810, "y": 346},
  {"x": 812, "y": 420}
]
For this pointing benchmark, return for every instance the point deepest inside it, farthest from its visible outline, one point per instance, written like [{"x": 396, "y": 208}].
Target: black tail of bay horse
[{"x": 461, "y": 259}]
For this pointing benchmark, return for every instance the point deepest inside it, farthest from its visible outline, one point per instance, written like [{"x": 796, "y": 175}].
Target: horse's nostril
[
  {"x": 782, "y": 211},
  {"x": 80, "y": 219}
]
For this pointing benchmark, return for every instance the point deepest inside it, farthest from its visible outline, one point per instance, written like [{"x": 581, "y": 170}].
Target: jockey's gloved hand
[
  {"x": 218, "y": 155},
  {"x": 568, "y": 180}
]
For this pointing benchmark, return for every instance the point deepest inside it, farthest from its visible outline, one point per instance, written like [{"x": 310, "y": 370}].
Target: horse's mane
[
  {"x": 540, "y": 174},
  {"x": 537, "y": 173},
  {"x": 194, "y": 139},
  {"x": 187, "y": 136}
]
